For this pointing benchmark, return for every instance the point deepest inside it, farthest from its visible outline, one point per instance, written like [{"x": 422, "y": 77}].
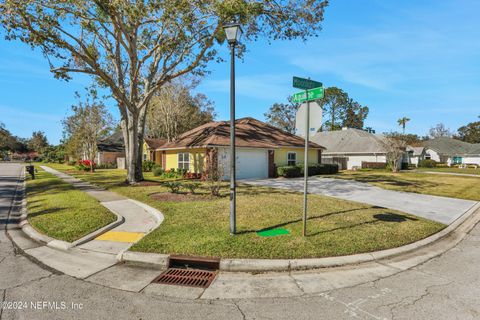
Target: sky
[{"x": 415, "y": 59}]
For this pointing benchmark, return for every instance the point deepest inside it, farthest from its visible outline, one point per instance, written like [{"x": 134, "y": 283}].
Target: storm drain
[{"x": 186, "y": 277}]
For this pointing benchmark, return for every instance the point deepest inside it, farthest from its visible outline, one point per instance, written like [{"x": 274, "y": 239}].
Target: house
[
  {"x": 111, "y": 149},
  {"x": 150, "y": 145},
  {"x": 260, "y": 149},
  {"x": 352, "y": 148},
  {"x": 452, "y": 151},
  {"x": 415, "y": 155}
]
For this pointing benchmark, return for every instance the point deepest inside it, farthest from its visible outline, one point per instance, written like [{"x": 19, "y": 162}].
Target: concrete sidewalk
[{"x": 441, "y": 209}]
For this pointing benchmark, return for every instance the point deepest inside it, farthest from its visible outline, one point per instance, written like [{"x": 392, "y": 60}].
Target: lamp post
[{"x": 233, "y": 33}]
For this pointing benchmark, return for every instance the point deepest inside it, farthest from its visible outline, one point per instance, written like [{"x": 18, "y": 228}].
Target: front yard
[
  {"x": 60, "y": 211},
  {"x": 452, "y": 170},
  {"x": 199, "y": 224},
  {"x": 438, "y": 185}
]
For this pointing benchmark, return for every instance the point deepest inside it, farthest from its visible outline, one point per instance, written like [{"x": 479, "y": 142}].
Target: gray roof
[
  {"x": 349, "y": 141},
  {"x": 112, "y": 143},
  {"x": 452, "y": 147},
  {"x": 416, "y": 151}
]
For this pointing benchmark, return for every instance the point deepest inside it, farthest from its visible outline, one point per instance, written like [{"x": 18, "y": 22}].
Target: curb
[{"x": 456, "y": 231}]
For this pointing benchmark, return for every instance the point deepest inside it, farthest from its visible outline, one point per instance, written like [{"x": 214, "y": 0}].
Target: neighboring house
[
  {"x": 452, "y": 151},
  {"x": 111, "y": 149},
  {"x": 150, "y": 145},
  {"x": 415, "y": 155},
  {"x": 351, "y": 148},
  {"x": 260, "y": 148}
]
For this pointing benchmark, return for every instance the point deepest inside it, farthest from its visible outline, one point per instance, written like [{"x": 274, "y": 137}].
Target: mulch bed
[{"x": 180, "y": 197}]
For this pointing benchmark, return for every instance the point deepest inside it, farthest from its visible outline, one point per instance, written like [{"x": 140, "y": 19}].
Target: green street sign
[
  {"x": 306, "y": 84},
  {"x": 309, "y": 95}
]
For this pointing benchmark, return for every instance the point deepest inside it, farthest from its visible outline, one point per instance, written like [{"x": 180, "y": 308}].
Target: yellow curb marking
[{"x": 121, "y": 236}]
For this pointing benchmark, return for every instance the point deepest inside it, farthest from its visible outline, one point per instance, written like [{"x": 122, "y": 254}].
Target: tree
[
  {"x": 89, "y": 122},
  {"x": 440, "y": 131},
  {"x": 282, "y": 115},
  {"x": 134, "y": 48},
  {"x": 38, "y": 142},
  {"x": 402, "y": 122},
  {"x": 173, "y": 111},
  {"x": 342, "y": 111},
  {"x": 470, "y": 132},
  {"x": 395, "y": 147},
  {"x": 354, "y": 115}
]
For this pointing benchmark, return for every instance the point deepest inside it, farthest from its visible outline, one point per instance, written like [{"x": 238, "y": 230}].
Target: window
[
  {"x": 184, "y": 161},
  {"x": 291, "y": 158},
  {"x": 428, "y": 156},
  {"x": 144, "y": 157}
]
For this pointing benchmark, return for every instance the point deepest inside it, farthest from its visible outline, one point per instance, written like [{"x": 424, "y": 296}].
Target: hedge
[
  {"x": 313, "y": 170},
  {"x": 427, "y": 164}
]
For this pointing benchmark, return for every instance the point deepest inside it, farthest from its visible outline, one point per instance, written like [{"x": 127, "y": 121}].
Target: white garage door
[{"x": 251, "y": 163}]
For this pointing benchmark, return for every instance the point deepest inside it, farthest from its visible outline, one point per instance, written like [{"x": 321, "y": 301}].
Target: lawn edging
[{"x": 452, "y": 234}]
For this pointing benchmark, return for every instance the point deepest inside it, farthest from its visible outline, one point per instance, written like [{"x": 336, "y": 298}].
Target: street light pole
[
  {"x": 232, "y": 33},
  {"x": 233, "y": 187}
]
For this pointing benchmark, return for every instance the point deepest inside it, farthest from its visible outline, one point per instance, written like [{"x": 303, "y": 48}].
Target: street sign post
[
  {"x": 313, "y": 91},
  {"x": 308, "y": 95}
]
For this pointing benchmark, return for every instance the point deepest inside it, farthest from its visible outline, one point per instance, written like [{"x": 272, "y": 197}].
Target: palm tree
[{"x": 403, "y": 122}]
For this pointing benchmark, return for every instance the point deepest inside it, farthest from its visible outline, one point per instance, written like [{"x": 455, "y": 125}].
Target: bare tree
[
  {"x": 89, "y": 122},
  {"x": 439, "y": 131},
  {"x": 395, "y": 146},
  {"x": 134, "y": 48}
]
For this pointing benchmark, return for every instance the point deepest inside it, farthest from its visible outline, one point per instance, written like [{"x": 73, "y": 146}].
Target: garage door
[{"x": 251, "y": 163}]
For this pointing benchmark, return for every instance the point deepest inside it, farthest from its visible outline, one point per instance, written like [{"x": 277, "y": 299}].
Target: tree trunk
[{"x": 133, "y": 138}]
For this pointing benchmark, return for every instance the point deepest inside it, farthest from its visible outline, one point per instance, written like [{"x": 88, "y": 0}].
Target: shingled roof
[
  {"x": 451, "y": 147},
  {"x": 112, "y": 143},
  {"x": 155, "y": 143},
  {"x": 249, "y": 132},
  {"x": 349, "y": 141}
]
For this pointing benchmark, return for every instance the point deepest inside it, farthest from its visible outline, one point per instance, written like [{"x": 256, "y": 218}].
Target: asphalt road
[{"x": 447, "y": 287}]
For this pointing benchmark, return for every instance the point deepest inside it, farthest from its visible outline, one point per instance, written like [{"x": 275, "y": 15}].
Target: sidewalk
[{"x": 100, "y": 253}]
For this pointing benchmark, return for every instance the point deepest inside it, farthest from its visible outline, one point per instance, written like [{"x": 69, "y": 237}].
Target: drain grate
[{"x": 186, "y": 277}]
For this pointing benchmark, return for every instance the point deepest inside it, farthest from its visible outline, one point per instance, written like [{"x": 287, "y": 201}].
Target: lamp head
[{"x": 233, "y": 32}]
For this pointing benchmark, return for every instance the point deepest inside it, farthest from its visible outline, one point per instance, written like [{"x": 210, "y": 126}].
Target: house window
[
  {"x": 144, "y": 157},
  {"x": 428, "y": 156},
  {"x": 291, "y": 158},
  {"x": 184, "y": 161}
]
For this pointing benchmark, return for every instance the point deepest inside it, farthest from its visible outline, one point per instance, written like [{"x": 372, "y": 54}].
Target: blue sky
[{"x": 419, "y": 59}]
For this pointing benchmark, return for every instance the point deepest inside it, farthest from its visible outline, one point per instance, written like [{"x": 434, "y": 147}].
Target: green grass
[
  {"x": 335, "y": 227},
  {"x": 60, "y": 211},
  {"x": 452, "y": 170},
  {"x": 440, "y": 185}
]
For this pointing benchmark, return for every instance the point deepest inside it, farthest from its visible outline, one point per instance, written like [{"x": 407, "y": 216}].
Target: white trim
[{"x": 291, "y": 152}]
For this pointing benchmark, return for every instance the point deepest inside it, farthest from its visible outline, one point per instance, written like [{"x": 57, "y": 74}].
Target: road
[{"x": 446, "y": 287}]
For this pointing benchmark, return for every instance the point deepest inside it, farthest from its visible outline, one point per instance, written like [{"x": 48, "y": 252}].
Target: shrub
[
  {"x": 148, "y": 165},
  {"x": 192, "y": 186},
  {"x": 85, "y": 165},
  {"x": 320, "y": 168},
  {"x": 174, "y": 186},
  {"x": 427, "y": 164},
  {"x": 289, "y": 171},
  {"x": 157, "y": 171},
  {"x": 110, "y": 165},
  {"x": 442, "y": 165}
]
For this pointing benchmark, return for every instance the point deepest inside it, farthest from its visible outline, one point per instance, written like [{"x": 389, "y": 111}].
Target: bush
[
  {"x": 85, "y": 165},
  {"x": 427, "y": 164},
  {"x": 110, "y": 165},
  {"x": 320, "y": 168},
  {"x": 148, "y": 165},
  {"x": 442, "y": 165},
  {"x": 173, "y": 186},
  {"x": 192, "y": 186},
  {"x": 157, "y": 171},
  {"x": 289, "y": 171}
]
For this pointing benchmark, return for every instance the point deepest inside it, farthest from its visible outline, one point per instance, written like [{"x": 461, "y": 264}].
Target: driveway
[{"x": 440, "y": 209}]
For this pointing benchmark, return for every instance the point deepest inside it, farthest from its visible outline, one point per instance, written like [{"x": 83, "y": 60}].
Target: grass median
[
  {"x": 199, "y": 224},
  {"x": 60, "y": 211}
]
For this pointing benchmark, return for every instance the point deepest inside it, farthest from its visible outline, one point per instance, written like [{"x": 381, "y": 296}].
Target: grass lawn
[
  {"x": 201, "y": 226},
  {"x": 452, "y": 170},
  {"x": 439, "y": 185},
  {"x": 60, "y": 211}
]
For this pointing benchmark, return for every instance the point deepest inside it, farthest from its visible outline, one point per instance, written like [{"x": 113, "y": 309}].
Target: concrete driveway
[{"x": 440, "y": 209}]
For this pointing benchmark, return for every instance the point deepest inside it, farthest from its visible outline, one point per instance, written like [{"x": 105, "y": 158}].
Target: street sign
[
  {"x": 309, "y": 95},
  {"x": 305, "y": 84}
]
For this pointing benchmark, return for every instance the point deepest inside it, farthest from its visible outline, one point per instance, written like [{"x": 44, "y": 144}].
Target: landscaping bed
[
  {"x": 198, "y": 227},
  {"x": 439, "y": 185},
  {"x": 57, "y": 209}
]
